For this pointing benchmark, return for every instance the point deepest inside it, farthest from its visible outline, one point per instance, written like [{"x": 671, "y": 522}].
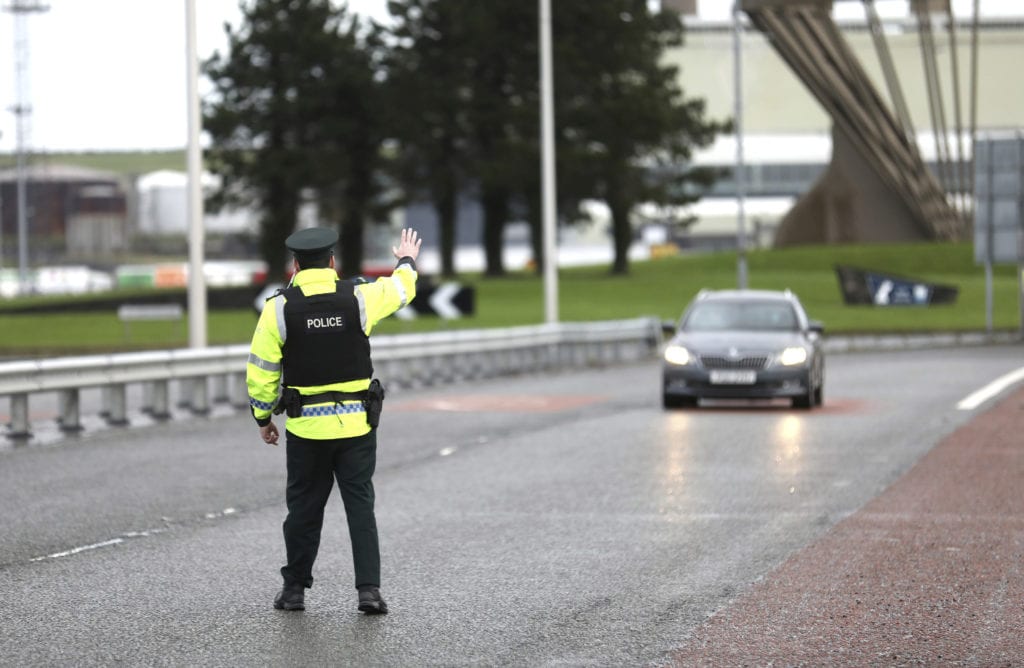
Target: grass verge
[{"x": 659, "y": 288}]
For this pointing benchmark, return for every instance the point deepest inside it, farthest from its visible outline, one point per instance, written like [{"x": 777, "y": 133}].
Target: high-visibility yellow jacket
[{"x": 376, "y": 301}]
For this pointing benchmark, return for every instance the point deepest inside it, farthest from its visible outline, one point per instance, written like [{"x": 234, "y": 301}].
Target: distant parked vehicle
[{"x": 744, "y": 344}]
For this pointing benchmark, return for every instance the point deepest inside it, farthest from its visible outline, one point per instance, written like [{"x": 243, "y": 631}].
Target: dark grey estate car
[{"x": 744, "y": 344}]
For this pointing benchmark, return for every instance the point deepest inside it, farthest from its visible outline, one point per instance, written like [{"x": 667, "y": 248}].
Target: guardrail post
[
  {"x": 476, "y": 366},
  {"x": 117, "y": 415},
  {"x": 147, "y": 398},
  {"x": 382, "y": 370},
  {"x": 200, "y": 403},
  {"x": 160, "y": 400},
  {"x": 482, "y": 369},
  {"x": 451, "y": 368},
  {"x": 19, "y": 417},
  {"x": 455, "y": 368},
  {"x": 239, "y": 391},
  {"x": 70, "y": 411},
  {"x": 105, "y": 401},
  {"x": 418, "y": 374},
  {"x": 220, "y": 388},
  {"x": 185, "y": 390}
]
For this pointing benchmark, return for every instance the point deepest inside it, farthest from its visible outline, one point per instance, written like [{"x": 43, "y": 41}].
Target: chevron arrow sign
[{"x": 447, "y": 300}]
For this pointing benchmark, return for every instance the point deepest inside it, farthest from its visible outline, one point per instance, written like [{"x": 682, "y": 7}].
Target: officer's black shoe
[
  {"x": 371, "y": 602},
  {"x": 291, "y": 597}
]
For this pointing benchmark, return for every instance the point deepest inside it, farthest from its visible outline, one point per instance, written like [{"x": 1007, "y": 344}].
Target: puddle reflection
[
  {"x": 675, "y": 463},
  {"x": 788, "y": 440}
]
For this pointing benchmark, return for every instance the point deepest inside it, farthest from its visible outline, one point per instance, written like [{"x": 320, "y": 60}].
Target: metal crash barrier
[{"x": 403, "y": 360}]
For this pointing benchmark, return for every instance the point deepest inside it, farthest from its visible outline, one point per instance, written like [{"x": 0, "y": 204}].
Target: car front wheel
[
  {"x": 674, "y": 401},
  {"x": 808, "y": 400}
]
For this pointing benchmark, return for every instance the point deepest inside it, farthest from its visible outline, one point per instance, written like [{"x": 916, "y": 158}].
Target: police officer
[{"x": 312, "y": 341}]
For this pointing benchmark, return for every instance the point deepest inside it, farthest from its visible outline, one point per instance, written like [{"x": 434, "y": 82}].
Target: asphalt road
[{"x": 526, "y": 521}]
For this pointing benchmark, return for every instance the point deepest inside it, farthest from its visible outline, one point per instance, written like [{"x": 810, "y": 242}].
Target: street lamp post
[
  {"x": 196, "y": 279},
  {"x": 740, "y": 175},
  {"x": 1, "y": 231},
  {"x": 548, "y": 167}
]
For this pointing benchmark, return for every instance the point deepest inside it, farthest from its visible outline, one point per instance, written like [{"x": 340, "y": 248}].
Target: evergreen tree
[
  {"x": 624, "y": 130},
  {"x": 307, "y": 95},
  {"x": 632, "y": 129},
  {"x": 351, "y": 122},
  {"x": 429, "y": 91},
  {"x": 295, "y": 117}
]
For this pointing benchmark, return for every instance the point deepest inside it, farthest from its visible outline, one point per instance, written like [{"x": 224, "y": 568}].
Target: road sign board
[
  {"x": 864, "y": 286},
  {"x": 447, "y": 300},
  {"x": 999, "y": 199}
]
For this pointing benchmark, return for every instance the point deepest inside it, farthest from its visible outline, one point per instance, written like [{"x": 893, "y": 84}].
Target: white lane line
[
  {"x": 977, "y": 398},
  {"x": 130, "y": 534},
  {"x": 76, "y": 550}
]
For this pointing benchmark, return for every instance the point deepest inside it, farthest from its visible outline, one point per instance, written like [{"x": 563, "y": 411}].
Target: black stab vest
[{"x": 325, "y": 340}]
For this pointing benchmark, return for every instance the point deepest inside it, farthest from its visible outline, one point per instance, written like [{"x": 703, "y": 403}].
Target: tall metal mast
[{"x": 22, "y": 109}]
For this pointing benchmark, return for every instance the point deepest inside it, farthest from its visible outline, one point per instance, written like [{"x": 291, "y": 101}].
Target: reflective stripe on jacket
[{"x": 376, "y": 300}]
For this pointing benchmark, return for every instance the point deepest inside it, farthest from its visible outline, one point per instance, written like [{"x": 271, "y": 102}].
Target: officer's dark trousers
[{"x": 313, "y": 466}]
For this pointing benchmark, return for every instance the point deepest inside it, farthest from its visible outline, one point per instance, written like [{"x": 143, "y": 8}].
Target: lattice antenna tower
[{"x": 22, "y": 110}]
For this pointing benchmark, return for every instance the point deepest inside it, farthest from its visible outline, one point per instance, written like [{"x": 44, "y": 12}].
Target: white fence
[{"x": 405, "y": 360}]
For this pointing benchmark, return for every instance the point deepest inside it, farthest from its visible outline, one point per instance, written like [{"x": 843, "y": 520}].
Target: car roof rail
[{"x": 702, "y": 293}]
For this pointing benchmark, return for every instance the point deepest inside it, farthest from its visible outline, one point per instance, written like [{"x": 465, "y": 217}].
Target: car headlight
[
  {"x": 793, "y": 355},
  {"x": 678, "y": 355}
]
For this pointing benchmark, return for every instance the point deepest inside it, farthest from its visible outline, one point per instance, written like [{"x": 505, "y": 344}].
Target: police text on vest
[{"x": 325, "y": 322}]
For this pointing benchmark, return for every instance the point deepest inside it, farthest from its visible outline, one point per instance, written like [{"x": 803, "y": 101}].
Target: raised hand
[{"x": 409, "y": 245}]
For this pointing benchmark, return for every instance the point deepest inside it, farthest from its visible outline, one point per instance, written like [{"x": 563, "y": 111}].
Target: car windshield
[{"x": 742, "y": 315}]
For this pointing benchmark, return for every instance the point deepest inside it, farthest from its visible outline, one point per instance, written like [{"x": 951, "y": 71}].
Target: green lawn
[
  {"x": 659, "y": 288},
  {"x": 121, "y": 162}
]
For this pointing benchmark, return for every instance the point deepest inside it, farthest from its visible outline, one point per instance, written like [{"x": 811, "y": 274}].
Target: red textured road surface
[{"x": 929, "y": 573}]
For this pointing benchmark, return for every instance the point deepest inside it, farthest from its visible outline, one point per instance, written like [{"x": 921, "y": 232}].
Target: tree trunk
[
  {"x": 445, "y": 205},
  {"x": 495, "y": 205},
  {"x": 350, "y": 233},
  {"x": 622, "y": 233},
  {"x": 277, "y": 222},
  {"x": 358, "y": 193}
]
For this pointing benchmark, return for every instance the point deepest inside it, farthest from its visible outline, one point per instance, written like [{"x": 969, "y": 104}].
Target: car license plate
[{"x": 733, "y": 377}]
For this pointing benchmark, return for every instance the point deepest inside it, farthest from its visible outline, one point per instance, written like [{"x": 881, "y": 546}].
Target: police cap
[{"x": 312, "y": 243}]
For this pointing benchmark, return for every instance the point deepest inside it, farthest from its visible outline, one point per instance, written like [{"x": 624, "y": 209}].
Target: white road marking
[
  {"x": 76, "y": 550},
  {"x": 977, "y": 398},
  {"x": 130, "y": 534}
]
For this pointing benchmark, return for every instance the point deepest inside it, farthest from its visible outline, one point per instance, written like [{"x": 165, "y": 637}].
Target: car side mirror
[
  {"x": 668, "y": 328},
  {"x": 816, "y": 326}
]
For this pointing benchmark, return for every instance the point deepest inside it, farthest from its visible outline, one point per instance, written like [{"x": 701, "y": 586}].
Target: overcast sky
[{"x": 110, "y": 74}]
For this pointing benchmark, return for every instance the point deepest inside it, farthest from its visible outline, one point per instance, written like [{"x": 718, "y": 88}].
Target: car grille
[{"x": 717, "y": 362}]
